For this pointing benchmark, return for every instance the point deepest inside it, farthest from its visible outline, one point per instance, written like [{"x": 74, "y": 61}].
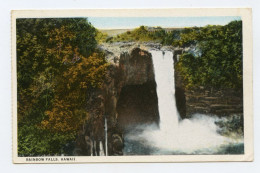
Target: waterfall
[
  {"x": 106, "y": 137},
  {"x": 101, "y": 149},
  {"x": 164, "y": 77},
  {"x": 196, "y": 135},
  {"x": 95, "y": 148}
]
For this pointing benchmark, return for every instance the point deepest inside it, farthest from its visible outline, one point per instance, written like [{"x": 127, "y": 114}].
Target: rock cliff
[{"x": 128, "y": 97}]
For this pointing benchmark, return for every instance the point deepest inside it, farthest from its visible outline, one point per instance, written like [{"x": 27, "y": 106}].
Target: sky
[{"x": 171, "y": 22}]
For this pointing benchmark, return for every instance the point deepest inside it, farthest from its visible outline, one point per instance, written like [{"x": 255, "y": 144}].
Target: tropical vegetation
[{"x": 58, "y": 65}]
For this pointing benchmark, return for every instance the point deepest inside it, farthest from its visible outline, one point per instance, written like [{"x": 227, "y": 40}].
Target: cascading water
[
  {"x": 164, "y": 72},
  {"x": 197, "y": 135},
  {"x": 101, "y": 151},
  {"x": 106, "y": 146}
]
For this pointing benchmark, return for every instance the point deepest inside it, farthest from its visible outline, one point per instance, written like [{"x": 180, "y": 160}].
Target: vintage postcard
[{"x": 132, "y": 85}]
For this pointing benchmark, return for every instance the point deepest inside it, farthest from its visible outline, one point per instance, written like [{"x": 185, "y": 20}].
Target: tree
[
  {"x": 219, "y": 62},
  {"x": 57, "y": 62}
]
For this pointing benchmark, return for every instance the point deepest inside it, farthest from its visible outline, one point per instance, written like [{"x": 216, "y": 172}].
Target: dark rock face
[
  {"x": 92, "y": 132},
  {"x": 180, "y": 94},
  {"x": 127, "y": 97},
  {"x": 138, "y": 104},
  {"x": 180, "y": 101},
  {"x": 222, "y": 102},
  {"x": 117, "y": 145},
  {"x": 137, "y": 67}
]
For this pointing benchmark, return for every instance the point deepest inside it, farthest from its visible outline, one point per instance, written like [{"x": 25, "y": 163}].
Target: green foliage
[
  {"x": 142, "y": 34},
  {"x": 35, "y": 141},
  {"x": 219, "y": 61},
  {"x": 57, "y": 66},
  {"x": 171, "y": 37},
  {"x": 101, "y": 37}
]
